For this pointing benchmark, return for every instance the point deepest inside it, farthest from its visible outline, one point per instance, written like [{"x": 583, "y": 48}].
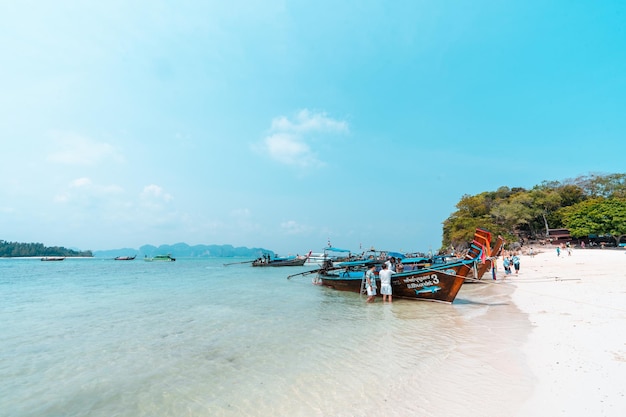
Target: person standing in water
[
  {"x": 370, "y": 283},
  {"x": 385, "y": 282}
]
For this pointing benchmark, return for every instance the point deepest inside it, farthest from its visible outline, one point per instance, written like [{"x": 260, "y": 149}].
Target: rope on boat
[
  {"x": 443, "y": 271},
  {"x": 425, "y": 269}
]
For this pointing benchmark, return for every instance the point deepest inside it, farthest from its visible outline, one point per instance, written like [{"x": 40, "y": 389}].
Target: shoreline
[{"x": 576, "y": 350}]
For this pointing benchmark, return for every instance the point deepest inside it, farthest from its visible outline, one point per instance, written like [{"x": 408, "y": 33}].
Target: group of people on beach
[
  {"x": 567, "y": 246},
  {"x": 510, "y": 259},
  {"x": 388, "y": 268}
]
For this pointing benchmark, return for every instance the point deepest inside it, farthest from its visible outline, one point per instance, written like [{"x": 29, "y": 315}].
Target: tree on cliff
[{"x": 519, "y": 214}]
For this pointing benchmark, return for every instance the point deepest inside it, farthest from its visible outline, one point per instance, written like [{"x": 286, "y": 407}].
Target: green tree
[
  {"x": 516, "y": 213},
  {"x": 607, "y": 186},
  {"x": 571, "y": 194},
  {"x": 472, "y": 212},
  {"x": 15, "y": 249},
  {"x": 599, "y": 216}
]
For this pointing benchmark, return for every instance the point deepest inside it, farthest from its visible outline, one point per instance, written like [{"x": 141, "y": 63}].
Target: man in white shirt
[{"x": 385, "y": 282}]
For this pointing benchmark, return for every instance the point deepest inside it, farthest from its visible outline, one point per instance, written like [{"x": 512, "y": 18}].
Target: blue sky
[{"x": 283, "y": 124}]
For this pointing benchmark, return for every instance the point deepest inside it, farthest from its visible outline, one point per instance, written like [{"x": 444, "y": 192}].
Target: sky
[{"x": 290, "y": 124}]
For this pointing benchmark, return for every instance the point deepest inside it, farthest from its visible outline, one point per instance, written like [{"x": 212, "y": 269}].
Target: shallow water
[{"x": 93, "y": 337}]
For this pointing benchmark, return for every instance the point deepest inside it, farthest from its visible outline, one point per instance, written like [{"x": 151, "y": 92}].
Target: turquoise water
[{"x": 93, "y": 337}]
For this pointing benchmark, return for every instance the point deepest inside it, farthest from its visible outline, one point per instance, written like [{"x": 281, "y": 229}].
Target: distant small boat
[
  {"x": 125, "y": 258},
  {"x": 160, "y": 258},
  {"x": 53, "y": 258}
]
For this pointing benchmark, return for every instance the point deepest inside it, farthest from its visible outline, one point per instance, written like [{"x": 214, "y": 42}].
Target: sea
[{"x": 217, "y": 337}]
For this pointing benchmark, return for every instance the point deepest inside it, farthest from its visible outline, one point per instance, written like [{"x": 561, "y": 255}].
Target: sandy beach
[{"x": 577, "y": 348}]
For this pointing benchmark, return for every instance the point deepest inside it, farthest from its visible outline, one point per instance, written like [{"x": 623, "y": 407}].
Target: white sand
[{"x": 577, "y": 348}]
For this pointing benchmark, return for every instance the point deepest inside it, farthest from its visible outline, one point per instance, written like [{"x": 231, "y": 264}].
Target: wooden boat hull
[
  {"x": 487, "y": 263},
  {"x": 53, "y": 258},
  {"x": 428, "y": 284},
  {"x": 286, "y": 262},
  {"x": 346, "y": 274}
]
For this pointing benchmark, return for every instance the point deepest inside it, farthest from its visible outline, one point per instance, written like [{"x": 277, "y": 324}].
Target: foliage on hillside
[
  {"x": 587, "y": 205},
  {"x": 15, "y": 249}
]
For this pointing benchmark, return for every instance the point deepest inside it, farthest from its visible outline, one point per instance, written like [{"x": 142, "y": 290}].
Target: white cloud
[
  {"x": 155, "y": 200},
  {"x": 153, "y": 192},
  {"x": 242, "y": 213},
  {"x": 80, "y": 182},
  {"x": 73, "y": 149},
  {"x": 289, "y": 149},
  {"x": 84, "y": 190},
  {"x": 307, "y": 121},
  {"x": 289, "y": 140},
  {"x": 291, "y": 227}
]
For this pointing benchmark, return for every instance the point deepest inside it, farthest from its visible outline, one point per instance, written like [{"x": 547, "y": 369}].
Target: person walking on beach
[
  {"x": 558, "y": 251},
  {"x": 385, "y": 282},
  {"x": 507, "y": 265},
  {"x": 370, "y": 283},
  {"x": 515, "y": 261}
]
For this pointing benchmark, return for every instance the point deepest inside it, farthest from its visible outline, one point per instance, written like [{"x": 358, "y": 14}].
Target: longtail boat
[
  {"x": 482, "y": 238},
  {"x": 53, "y": 258},
  {"x": 330, "y": 253},
  {"x": 435, "y": 282},
  {"x": 286, "y": 261}
]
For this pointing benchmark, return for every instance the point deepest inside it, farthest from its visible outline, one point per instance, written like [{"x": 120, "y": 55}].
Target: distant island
[
  {"x": 182, "y": 250},
  {"x": 17, "y": 250}
]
